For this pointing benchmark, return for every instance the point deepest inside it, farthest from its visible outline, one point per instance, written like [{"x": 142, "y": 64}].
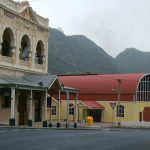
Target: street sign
[{"x": 112, "y": 104}]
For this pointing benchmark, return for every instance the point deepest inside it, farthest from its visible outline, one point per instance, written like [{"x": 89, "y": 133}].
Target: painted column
[
  {"x": 134, "y": 112},
  {"x": 12, "y": 116},
  {"x": 30, "y": 59},
  {"x": 76, "y": 111},
  {"x": 30, "y": 110},
  {"x": 13, "y": 51},
  {"x": 58, "y": 115},
  {"x": 119, "y": 94},
  {"x": 18, "y": 45},
  {"x": 45, "y": 112},
  {"x": 67, "y": 114},
  {"x": 46, "y": 57},
  {"x": 1, "y": 40},
  {"x": 33, "y": 51}
]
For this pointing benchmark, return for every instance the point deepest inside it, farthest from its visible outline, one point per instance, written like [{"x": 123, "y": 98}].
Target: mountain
[
  {"x": 77, "y": 54},
  {"x": 133, "y": 61}
]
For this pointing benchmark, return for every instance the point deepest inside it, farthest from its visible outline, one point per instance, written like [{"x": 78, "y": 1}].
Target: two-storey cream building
[{"x": 24, "y": 82}]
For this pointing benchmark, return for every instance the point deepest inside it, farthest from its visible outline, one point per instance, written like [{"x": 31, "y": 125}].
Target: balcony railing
[
  {"x": 24, "y": 63},
  {"x": 39, "y": 66}
]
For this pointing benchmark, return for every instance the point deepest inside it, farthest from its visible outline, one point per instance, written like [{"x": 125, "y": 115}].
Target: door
[
  {"x": 96, "y": 114},
  {"x": 146, "y": 114},
  {"x": 140, "y": 116},
  {"x": 38, "y": 110},
  {"x": 22, "y": 109}
]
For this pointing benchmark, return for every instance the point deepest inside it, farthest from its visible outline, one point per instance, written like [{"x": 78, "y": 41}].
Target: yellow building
[{"x": 122, "y": 99}]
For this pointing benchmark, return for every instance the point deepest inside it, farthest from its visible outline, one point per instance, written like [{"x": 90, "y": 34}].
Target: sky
[{"x": 114, "y": 25}]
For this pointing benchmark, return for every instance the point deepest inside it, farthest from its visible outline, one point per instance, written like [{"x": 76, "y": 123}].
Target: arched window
[
  {"x": 120, "y": 111},
  {"x": 143, "y": 90},
  {"x": 8, "y": 41},
  {"x": 25, "y": 48},
  {"x": 39, "y": 52}
]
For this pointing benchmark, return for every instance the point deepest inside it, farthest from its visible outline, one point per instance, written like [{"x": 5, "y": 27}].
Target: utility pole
[{"x": 119, "y": 94}]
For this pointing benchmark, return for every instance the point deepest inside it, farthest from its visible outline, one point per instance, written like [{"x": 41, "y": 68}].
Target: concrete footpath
[
  {"x": 80, "y": 126},
  {"x": 63, "y": 126}
]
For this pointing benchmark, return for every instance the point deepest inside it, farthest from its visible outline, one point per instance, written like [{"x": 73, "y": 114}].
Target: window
[
  {"x": 49, "y": 102},
  {"x": 143, "y": 91},
  {"x": 25, "y": 52},
  {"x": 38, "y": 111},
  {"x": 7, "y": 43},
  {"x": 71, "y": 109},
  {"x": 6, "y": 100},
  {"x": 39, "y": 53},
  {"x": 53, "y": 110},
  {"x": 120, "y": 111}
]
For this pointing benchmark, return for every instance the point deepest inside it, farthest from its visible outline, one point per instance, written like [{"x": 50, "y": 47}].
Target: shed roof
[
  {"x": 92, "y": 104},
  {"x": 103, "y": 87}
]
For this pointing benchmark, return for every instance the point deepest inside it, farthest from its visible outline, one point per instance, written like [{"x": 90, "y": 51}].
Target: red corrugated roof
[
  {"x": 103, "y": 87},
  {"x": 93, "y": 105}
]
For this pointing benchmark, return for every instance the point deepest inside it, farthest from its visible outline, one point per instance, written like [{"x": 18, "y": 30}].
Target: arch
[
  {"x": 25, "y": 48},
  {"x": 39, "y": 52},
  {"x": 143, "y": 89},
  {"x": 7, "y": 43}
]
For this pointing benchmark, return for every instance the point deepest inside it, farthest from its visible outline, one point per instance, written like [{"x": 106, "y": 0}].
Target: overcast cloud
[{"x": 113, "y": 24}]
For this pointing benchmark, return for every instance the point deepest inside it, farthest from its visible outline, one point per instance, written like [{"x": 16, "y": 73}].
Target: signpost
[{"x": 112, "y": 104}]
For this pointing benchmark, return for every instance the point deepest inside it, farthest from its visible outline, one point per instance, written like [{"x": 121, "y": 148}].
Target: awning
[
  {"x": 92, "y": 104},
  {"x": 32, "y": 81}
]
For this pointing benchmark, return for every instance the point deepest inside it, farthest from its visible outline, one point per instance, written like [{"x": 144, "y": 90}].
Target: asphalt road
[{"x": 48, "y": 139}]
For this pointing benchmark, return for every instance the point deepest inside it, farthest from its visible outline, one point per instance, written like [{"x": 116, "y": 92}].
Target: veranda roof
[{"x": 32, "y": 81}]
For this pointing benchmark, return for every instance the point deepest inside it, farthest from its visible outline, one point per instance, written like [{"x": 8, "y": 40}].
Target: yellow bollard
[{"x": 89, "y": 121}]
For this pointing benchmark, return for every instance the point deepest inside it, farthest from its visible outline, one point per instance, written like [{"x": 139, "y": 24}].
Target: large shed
[{"x": 129, "y": 93}]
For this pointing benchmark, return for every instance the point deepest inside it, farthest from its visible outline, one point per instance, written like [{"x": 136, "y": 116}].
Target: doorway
[
  {"x": 22, "y": 109},
  {"x": 38, "y": 108},
  {"x": 95, "y": 113}
]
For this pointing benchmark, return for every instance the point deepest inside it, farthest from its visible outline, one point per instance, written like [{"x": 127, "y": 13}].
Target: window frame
[
  {"x": 120, "y": 112},
  {"x": 71, "y": 109},
  {"x": 54, "y": 110},
  {"x": 6, "y": 102}
]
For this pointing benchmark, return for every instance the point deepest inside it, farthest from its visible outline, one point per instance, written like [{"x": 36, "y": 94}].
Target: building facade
[
  {"x": 23, "y": 38},
  {"x": 24, "y": 82},
  {"x": 116, "y": 98}
]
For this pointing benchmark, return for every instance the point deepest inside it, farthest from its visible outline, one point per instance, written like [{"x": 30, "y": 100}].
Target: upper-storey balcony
[
  {"x": 25, "y": 58},
  {"x": 25, "y": 64}
]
